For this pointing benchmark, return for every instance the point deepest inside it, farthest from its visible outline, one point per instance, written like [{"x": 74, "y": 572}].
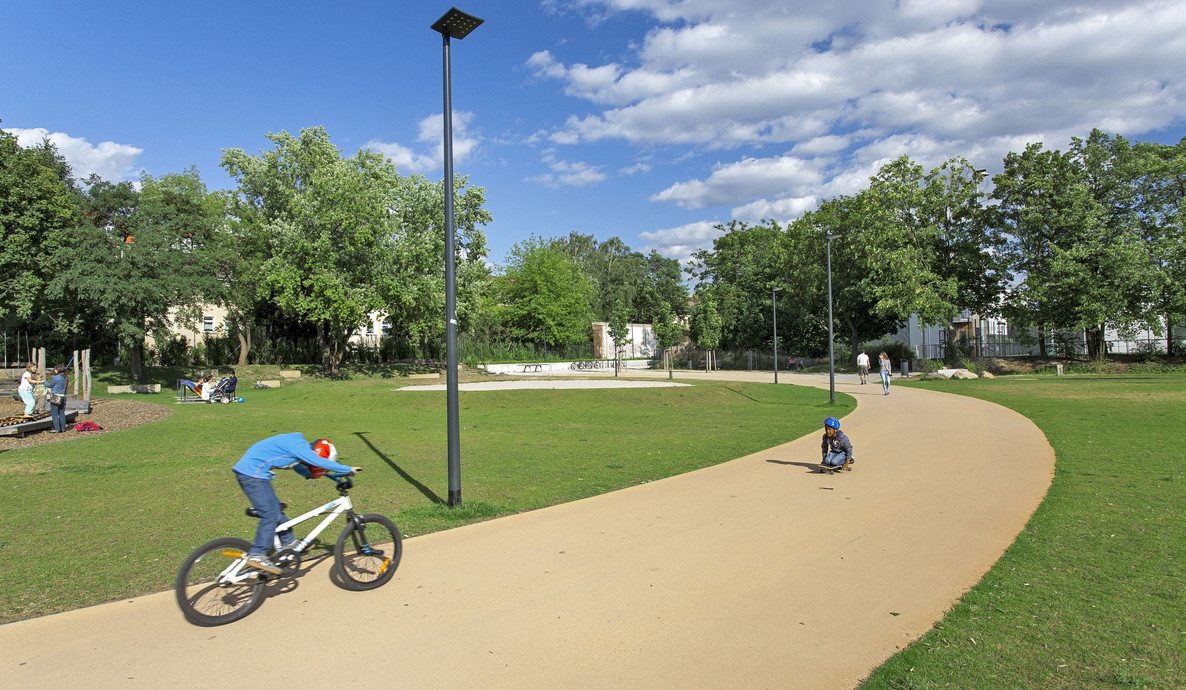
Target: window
[
  {"x": 207, "y": 324},
  {"x": 370, "y": 327}
]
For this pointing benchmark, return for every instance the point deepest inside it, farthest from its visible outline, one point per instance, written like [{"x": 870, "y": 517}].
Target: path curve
[{"x": 709, "y": 579}]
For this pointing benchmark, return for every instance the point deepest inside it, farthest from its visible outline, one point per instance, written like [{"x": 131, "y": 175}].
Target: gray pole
[
  {"x": 831, "y": 357},
  {"x": 454, "y": 424},
  {"x": 774, "y": 312},
  {"x": 458, "y": 24}
]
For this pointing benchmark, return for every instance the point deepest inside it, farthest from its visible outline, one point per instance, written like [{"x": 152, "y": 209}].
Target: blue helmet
[{"x": 832, "y": 423}]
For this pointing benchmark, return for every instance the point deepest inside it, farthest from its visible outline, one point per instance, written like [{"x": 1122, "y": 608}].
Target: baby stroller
[{"x": 224, "y": 391}]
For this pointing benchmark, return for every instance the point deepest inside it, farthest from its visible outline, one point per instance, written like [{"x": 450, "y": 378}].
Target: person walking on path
[
  {"x": 863, "y": 367},
  {"x": 884, "y": 360},
  {"x": 57, "y": 399}
]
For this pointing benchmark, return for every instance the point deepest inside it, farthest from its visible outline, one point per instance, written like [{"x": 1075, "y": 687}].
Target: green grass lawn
[
  {"x": 113, "y": 516},
  {"x": 1093, "y": 592}
]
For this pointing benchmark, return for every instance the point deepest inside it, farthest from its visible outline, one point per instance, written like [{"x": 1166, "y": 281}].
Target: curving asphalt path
[{"x": 754, "y": 573}]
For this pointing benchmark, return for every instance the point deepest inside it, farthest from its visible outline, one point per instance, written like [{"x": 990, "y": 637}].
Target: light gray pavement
[{"x": 724, "y": 577}]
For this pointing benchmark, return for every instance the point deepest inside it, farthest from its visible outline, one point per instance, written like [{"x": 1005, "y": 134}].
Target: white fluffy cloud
[
  {"x": 431, "y": 132},
  {"x": 816, "y": 96},
  {"x": 109, "y": 160},
  {"x": 680, "y": 242},
  {"x": 565, "y": 174}
]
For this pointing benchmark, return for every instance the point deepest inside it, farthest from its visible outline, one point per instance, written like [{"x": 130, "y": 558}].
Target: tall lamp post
[
  {"x": 454, "y": 24},
  {"x": 831, "y": 355},
  {"x": 774, "y": 312}
]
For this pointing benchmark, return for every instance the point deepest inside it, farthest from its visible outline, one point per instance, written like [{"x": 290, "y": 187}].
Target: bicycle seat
[{"x": 252, "y": 512}]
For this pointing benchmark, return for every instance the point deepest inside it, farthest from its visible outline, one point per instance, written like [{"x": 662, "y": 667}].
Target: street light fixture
[
  {"x": 455, "y": 24},
  {"x": 774, "y": 311},
  {"x": 831, "y": 354}
]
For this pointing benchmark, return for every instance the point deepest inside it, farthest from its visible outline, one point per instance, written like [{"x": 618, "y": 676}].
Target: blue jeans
[
  {"x": 27, "y": 397},
  {"x": 58, "y": 414},
  {"x": 834, "y": 459},
  {"x": 263, "y": 499},
  {"x": 885, "y": 379}
]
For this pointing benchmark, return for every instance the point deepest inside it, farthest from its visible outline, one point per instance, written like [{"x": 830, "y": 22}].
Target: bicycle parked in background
[{"x": 216, "y": 586}]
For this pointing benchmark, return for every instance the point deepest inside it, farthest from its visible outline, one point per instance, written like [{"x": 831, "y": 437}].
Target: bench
[{"x": 537, "y": 367}]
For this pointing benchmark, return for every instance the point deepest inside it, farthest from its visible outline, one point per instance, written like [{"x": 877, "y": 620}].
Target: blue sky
[{"x": 651, "y": 120}]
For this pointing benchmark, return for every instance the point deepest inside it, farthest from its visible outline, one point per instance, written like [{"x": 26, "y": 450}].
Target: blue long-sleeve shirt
[
  {"x": 57, "y": 384},
  {"x": 280, "y": 453},
  {"x": 839, "y": 444}
]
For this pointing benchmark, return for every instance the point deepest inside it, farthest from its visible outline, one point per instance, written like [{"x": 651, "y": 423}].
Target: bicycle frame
[
  {"x": 335, "y": 508},
  {"x": 236, "y": 572}
]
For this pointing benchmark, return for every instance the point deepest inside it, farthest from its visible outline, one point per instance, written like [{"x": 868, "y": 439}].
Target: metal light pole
[
  {"x": 774, "y": 311},
  {"x": 831, "y": 355},
  {"x": 455, "y": 24}
]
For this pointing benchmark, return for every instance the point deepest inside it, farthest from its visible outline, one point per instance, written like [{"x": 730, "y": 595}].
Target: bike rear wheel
[
  {"x": 367, "y": 558},
  {"x": 206, "y": 601}
]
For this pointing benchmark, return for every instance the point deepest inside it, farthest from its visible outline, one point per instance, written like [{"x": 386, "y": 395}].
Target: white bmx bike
[{"x": 216, "y": 586}]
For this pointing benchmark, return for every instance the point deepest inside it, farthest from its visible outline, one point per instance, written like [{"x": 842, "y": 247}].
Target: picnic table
[{"x": 537, "y": 367}]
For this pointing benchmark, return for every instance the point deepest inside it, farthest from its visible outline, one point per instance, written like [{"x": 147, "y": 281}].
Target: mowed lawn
[
  {"x": 113, "y": 516},
  {"x": 1093, "y": 592}
]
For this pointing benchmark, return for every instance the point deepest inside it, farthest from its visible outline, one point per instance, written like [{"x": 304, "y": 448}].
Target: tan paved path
[{"x": 712, "y": 579}]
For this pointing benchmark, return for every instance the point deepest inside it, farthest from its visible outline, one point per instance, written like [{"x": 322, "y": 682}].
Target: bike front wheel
[
  {"x": 203, "y": 594},
  {"x": 367, "y": 552}
]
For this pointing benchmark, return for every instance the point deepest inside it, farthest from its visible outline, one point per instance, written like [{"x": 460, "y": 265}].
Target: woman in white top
[{"x": 25, "y": 389}]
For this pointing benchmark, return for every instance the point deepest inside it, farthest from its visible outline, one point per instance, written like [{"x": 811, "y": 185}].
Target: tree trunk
[
  {"x": 244, "y": 333},
  {"x": 136, "y": 360},
  {"x": 323, "y": 348},
  {"x": 855, "y": 340},
  {"x": 1095, "y": 343}
]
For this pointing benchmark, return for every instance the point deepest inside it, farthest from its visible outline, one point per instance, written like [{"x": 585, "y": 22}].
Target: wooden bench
[{"x": 537, "y": 367}]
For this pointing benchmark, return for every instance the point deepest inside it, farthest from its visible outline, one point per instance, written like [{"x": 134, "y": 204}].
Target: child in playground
[
  {"x": 837, "y": 449},
  {"x": 255, "y": 472}
]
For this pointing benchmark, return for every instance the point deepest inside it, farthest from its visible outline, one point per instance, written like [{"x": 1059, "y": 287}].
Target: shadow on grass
[{"x": 391, "y": 463}]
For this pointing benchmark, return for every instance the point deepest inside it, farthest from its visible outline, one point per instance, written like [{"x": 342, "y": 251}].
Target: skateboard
[{"x": 830, "y": 469}]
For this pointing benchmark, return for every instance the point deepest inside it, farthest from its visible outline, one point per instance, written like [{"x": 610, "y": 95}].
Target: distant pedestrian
[
  {"x": 863, "y": 367},
  {"x": 886, "y": 372}
]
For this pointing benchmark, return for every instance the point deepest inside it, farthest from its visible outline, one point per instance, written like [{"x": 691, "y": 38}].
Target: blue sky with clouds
[{"x": 651, "y": 120}]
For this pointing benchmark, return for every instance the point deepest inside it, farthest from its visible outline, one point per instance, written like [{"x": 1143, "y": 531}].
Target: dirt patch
[{"x": 112, "y": 414}]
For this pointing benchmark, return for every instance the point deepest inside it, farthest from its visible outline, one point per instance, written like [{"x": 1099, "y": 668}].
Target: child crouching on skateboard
[{"x": 837, "y": 449}]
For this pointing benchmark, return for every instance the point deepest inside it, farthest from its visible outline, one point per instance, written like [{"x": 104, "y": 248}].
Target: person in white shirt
[
  {"x": 863, "y": 367},
  {"x": 25, "y": 389}
]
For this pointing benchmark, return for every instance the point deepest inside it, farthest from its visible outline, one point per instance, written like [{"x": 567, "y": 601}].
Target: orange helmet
[{"x": 325, "y": 449}]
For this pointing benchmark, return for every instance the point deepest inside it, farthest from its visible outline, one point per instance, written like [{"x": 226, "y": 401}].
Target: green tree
[
  {"x": 966, "y": 247},
  {"x": 139, "y": 258},
  {"x": 417, "y": 308},
  {"x": 1106, "y": 265},
  {"x": 1161, "y": 187},
  {"x": 619, "y": 332},
  {"x": 616, "y": 272},
  {"x": 1074, "y": 240},
  {"x": 662, "y": 284},
  {"x": 706, "y": 328},
  {"x": 667, "y": 331},
  {"x": 330, "y": 229},
  {"x": 545, "y": 295},
  {"x": 38, "y": 207}
]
